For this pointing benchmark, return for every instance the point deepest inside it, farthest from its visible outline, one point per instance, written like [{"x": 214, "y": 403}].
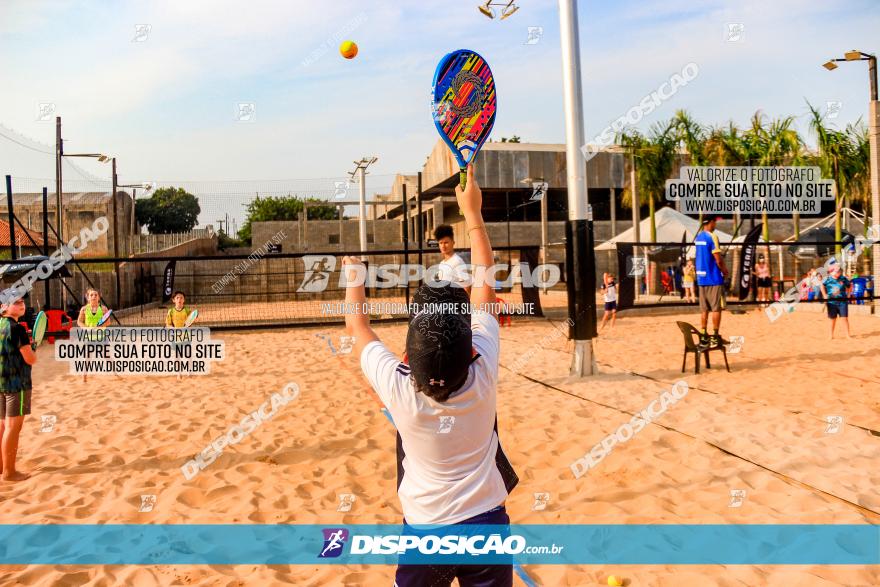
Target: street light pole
[{"x": 873, "y": 156}]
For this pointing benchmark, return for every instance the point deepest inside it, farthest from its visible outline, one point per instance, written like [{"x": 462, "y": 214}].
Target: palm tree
[
  {"x": 631, "y": 141},
  {"x": 859, "y": 166},
  {"x": 836, "y": 156},
  {"x": 774, "y": 144},
  {"x": 655, "y": 157},
  {"x": 692, "y": 136},
  {"x": 726, "y": 147}
]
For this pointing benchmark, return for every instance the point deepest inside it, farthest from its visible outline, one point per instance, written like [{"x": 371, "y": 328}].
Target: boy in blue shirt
[
  {"x": 834, "y": 289},
  {"x": 711, "y": 272}
]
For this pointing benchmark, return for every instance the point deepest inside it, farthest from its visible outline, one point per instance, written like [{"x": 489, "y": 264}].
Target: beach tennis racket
[
  {"x": 193, "y": 316},
  {"x": 464, "y": 105},
  {"x": 41, "y": 322},
  {"x": 105, "y": 318}
]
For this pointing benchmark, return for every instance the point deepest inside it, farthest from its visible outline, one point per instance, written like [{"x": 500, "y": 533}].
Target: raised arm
[
  {"x": 470, "y": 202},
  {"x": 357, "y": 317}
]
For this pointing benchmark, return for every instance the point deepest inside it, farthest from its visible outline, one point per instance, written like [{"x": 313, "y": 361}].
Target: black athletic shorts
[
  {"x": 15, "y": 404},
  {"x": 838, "y": 309},
  {"x": 470, "y": 575}
]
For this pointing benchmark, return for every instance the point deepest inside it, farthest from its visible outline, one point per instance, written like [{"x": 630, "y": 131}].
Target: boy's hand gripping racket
[{"x": 464, "y": 105}]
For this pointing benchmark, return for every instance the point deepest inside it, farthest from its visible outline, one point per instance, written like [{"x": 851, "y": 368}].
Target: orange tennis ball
[{"x": 348, "y": 49}]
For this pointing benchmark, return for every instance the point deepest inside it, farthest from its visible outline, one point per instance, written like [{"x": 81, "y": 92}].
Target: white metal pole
[
  {"x": 362, "y": 213},
  {"x": 583, "y": 361},
  {"x": 544, "y": 231},
  {"x": 634, "y": 195},
  {"x": 574, "y": 115}
]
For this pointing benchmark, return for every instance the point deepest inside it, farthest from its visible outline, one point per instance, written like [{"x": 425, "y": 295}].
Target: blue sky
[{"x": 166, "y": 106}]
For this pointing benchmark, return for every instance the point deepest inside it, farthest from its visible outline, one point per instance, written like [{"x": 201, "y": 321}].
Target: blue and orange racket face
[{"x": 464, "y": 103}]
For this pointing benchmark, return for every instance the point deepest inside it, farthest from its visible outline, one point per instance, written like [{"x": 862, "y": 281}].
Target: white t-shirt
[
  {"x": 451, "y": 269},
  {"x": 453, "y": 467},
  {"x": 611, "y": 292}
]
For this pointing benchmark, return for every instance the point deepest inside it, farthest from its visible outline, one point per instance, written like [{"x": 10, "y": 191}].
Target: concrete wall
[
  {"x": 77, "y": 215},
  {"x": 316, "y": 235}
]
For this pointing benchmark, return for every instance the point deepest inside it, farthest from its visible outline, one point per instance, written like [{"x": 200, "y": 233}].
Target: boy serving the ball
[{"x": 442, "y": 398}]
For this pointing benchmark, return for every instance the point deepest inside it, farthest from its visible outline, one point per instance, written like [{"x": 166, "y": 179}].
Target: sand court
[{"x": 760, "y": 429}]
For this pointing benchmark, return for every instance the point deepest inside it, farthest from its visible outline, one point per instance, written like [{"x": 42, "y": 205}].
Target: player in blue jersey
[{"x": 711, "y": 272}]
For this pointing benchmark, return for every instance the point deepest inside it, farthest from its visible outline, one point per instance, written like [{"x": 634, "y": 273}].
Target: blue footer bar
[{"x": 228, "y": 544}]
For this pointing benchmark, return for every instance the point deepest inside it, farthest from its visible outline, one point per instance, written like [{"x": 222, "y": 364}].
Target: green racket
[
  {"x": 191, "y": 318},
  {"x": 41, "y": 322}
]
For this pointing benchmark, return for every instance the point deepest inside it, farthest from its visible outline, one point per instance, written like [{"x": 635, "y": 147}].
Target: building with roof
[{"x": 81, "y": 209}]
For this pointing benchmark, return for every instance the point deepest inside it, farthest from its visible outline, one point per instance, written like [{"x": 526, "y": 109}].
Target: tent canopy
[{"x": 670, "y": 223}]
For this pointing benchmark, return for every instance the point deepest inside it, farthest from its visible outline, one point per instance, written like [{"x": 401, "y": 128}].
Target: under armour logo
[{"x": 441, "y": 382}]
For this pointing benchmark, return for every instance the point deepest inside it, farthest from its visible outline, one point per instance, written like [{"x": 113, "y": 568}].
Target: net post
[
  {"x": 406, "y": 237},
  {"x": 48, "y": 290}
]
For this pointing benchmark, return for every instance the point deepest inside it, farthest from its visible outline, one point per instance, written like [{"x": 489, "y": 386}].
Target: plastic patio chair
[
  {"x": 692, "y": 346},
  {"x": 55, "y": 322}
]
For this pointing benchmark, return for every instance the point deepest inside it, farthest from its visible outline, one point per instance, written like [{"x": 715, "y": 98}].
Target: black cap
[{"x": 439, "y": 342}]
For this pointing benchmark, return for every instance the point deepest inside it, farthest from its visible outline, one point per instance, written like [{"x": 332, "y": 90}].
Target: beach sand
[{"x": 760, "y": 428}]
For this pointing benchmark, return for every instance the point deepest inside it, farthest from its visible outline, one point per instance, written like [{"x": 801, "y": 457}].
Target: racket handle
[{"x": 462, "y": 177}]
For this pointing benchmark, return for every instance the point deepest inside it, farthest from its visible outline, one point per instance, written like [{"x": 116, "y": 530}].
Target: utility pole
[
  {"x": 579, "y": 255},
  {"x": 113, "y": 207},
  {"x": 59, "y": 153},
  {"x": 361, "y": 171}
]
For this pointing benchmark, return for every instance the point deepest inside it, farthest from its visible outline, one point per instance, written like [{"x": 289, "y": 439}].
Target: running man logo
[
  {"x": 346, "y": 343},
  {"x": 342, "y": 188},
  {"x": 735, "y": 32},
  {"x": 636, "y": 266},
  {"x": 318, "y": 270},
  {"x": 148, "y": 502},
  {"x": 541, "y": 501},
  {"x": 334, "y": 541},
  {"x": 736, "y": 344},
  {"x": 47, "y": 422},
  {"x": 539, "y": 190},
  {"x": 535, "y": 34},
  {"x": 833, "y": 424},
  {"x": 446, "y": 424},
  {"x": 346, "y": 501},
  {"x": 737, "y": 497}
]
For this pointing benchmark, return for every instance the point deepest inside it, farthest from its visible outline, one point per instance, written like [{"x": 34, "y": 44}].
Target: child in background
[
  {"x": 689, "y": 276},
  {"x": 835, "y": 290},
  {"x": 610, "y": 287},
  {"x": 16, "y": 358},
  {"x": 177, "y": 315},
  {"x": 91, "y": 314}
]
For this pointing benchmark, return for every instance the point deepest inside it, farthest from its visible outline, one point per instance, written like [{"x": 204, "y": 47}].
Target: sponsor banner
[
  {"x": 310, "y": 544},
  {"x": 168, "y": 281},
  {"x": 747, "y": 260}
]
